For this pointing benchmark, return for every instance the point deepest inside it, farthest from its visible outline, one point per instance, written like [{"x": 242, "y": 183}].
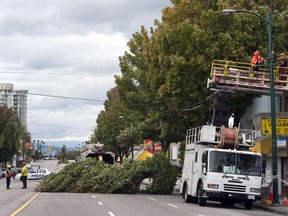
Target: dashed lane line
[
  {"x": 100, "y": 203},
  {"x": 152, "y": 198},
  {"x": 25, "y": 205},
  {"x": 111, "y": 214},
  {"x": 174, "y": 206}
]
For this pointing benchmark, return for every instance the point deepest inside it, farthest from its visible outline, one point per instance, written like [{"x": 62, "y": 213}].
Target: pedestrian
[
  {"x": 8, "y": 176},
  {"x": 256, "y": 60},
  {"x": 282, "y": 67},
  {"x": 24, "y": 174}
]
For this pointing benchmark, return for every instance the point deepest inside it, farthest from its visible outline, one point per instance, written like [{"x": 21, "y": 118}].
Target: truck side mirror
[
  {"x": 204, "y": 157},
  {"x": 263, "y": 166},
  {"x": 204, "y": 171}
]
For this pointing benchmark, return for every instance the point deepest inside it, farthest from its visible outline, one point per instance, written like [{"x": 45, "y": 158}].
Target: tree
[
  {"x": 109, "y": 125},
  {"x": 165, "y": 72},
  {"x": 63, "y": 154},
  {"x": 10, "y": 133},
  {"x": 71, "y": 155}
]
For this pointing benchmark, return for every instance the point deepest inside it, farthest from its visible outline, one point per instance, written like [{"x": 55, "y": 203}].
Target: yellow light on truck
[
  {"x": 213, "y": 186},
  {"x": 255, "y": 190}
]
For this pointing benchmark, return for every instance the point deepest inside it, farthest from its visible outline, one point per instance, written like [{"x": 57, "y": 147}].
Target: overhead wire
[
  {"x": 65, "y": 97},
  {"x": 49, "y": 125},
  {"x": 39, "y": 71},
  {"x": 207, "y": 98}
]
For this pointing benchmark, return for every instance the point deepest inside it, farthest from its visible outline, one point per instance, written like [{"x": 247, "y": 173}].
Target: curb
[{"x": 271, "y": 209}]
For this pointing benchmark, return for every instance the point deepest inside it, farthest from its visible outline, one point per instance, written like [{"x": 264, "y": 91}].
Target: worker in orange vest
[
  {"x": 282, "y": 68},
  {"x": 8, "y": 176},
  {"x": 256, "y": 60}
]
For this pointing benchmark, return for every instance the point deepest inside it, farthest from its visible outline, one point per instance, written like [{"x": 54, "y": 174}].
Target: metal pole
[
  {"x": 273, "y": 115},
  {"x": 272, "y": 99}
]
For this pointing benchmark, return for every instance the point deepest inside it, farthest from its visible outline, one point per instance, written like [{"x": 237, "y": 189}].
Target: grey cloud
[
  {"x": 63, "y": 35},
  {"x": 75, "y": 16}
]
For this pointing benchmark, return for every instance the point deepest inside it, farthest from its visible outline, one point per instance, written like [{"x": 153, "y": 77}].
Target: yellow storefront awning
[
  {"x": 263, "y": 145},
  {"x": 144, "y": 155}
]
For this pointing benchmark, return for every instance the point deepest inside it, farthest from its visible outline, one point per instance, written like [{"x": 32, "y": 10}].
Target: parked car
[
  {"x": 36, "y": 174},
  {"x": 28, "y": 165},
  {"x": 3, "y": 172},
  {"x": 15, "y": 171}
]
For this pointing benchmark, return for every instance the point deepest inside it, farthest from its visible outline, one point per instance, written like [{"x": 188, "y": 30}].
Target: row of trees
[
  {"x": 162, "y": 90},
  {"x": 12, "y": 133}
]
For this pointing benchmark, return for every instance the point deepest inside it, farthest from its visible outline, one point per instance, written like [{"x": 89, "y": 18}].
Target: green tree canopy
[
  {"x": 165, "y": 71},
  {"x": 10, "y": 133}
]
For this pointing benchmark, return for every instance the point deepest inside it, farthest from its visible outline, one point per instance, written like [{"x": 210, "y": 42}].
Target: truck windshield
[{"x": 235, "y": 163}]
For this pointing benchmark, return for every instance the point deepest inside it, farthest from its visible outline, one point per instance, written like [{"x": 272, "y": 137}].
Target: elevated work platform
[
  {"x": 220, "y": 136},
  {"x": 238, "y": 76}
]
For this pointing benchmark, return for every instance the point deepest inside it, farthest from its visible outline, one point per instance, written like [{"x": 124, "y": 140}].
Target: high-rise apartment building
[{"x": 16, "y": 99}]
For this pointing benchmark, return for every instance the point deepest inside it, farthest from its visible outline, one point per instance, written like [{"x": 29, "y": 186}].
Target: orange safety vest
[
  {"x": 255, "y": 59},
  {"x": 8, "y": 173}
]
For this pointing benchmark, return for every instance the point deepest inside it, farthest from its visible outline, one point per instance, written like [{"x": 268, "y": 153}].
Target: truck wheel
[
  {"x": 248, "y": 204},
  {"x": 200, "y": 192},
  {"x": 186, "y": 196}
]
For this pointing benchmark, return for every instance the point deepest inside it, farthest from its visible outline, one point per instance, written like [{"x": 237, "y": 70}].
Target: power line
[
  {"x": 49, "y": 125},
  {"x": 65, "y": 97},
  {"x": 197, "y": 105},
  {"x": 93, "y": 71}
]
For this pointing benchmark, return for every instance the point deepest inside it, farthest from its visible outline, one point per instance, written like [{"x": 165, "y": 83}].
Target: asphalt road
[
  {"x": 57, "y": 204},
  {"x": 22, "y": 202}
]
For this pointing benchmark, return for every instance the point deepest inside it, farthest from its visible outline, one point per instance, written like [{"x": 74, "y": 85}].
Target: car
[
  {"x": 36, "y": 174},
  {"x": 3, "y": 172},
  {"x": 15, "y": 171}
]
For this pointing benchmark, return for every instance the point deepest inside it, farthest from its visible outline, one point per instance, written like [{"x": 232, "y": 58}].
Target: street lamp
[{"x": 272, "y": 96}]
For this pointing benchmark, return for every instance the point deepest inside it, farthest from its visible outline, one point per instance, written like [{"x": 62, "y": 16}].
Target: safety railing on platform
[
  {"x": 208, "y": 134},
  {"x": 246, "y": 76}
]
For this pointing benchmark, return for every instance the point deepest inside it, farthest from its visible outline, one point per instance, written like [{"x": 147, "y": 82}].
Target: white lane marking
[
  {"x": 110, "y": 213},
  {"x": 152, "y": 198},
  {"x": 172, "y": 205},
  {"x": 100, "y": 203},
  {"x": 94, "y": 196}
]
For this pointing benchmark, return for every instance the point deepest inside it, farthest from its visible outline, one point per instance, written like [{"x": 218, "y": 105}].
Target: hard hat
[
  {"x": 256, "y": 53},
  {"x": 8, "y": 166},
  {"x": 282, "y": 54}
]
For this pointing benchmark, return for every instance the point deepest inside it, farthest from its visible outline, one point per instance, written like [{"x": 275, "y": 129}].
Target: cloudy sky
[{"x": 67, "y": 48}]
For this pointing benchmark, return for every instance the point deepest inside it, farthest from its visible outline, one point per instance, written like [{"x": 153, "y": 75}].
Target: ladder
[{"x": 239, "y": 76}]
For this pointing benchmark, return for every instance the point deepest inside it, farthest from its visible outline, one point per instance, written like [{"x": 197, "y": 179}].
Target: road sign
[{"x": 281, "y": 126}]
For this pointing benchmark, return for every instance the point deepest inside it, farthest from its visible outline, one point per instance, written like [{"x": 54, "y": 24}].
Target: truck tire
[
  {"x": 186, "y": 196},
  {"x": 200, "y": 192},
  {"x": 248, "y": 204}
]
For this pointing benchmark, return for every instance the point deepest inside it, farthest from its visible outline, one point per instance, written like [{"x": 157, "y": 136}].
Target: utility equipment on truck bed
[{"x": 218, "y": 166}]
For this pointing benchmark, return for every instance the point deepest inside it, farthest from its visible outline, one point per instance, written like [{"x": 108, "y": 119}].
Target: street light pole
[{"x": 272, "y": 98}]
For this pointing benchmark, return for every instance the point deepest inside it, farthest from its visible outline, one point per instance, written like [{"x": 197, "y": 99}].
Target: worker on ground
[
  {"x": 8, "y": 176},
  {"x": 24, "y": 174},
  {"x": 282, "y": 67},
  {"x": 256, "y": 60}
]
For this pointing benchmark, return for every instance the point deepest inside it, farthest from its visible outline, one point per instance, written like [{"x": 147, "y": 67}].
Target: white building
[
  {"x": 16, "y": 99},
  {"x": 261, "y": 109}
]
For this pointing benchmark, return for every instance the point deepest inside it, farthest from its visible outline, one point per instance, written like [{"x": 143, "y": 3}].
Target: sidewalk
[{"x": 277, "y": 208}]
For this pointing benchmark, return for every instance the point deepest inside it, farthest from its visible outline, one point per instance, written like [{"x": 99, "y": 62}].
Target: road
[{"x": 62, "y": 204}]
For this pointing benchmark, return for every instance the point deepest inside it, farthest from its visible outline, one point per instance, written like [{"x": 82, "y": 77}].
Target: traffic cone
[{"x": 284, "y": 200}]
